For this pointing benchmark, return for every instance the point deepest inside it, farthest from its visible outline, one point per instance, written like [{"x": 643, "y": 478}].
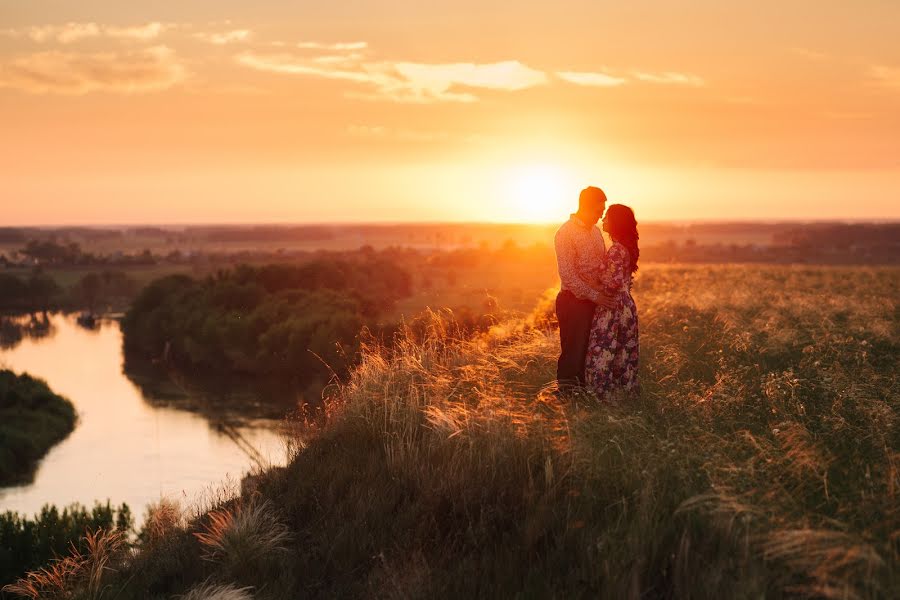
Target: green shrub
[
  {"x": 32, "y": 420},
  {"x": 27, "y": 543}
]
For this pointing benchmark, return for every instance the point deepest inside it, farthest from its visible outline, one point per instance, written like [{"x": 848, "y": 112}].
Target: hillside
[{"x": 762, "y": 459}]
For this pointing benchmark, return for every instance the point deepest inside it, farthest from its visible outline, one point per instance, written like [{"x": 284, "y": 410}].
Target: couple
[{"x": 598, "y": 326}]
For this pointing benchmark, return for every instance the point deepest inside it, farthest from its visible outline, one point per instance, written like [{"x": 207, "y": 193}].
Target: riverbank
[
  {"x": 179, "y": 452},
  {"x": 33, "y": 419}
]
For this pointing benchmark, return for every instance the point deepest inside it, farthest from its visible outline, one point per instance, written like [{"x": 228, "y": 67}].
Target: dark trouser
[{"x": 575, "y": 319}]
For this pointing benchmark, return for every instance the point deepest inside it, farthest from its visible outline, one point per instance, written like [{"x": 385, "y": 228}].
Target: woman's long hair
[{"x": 623, "y": 229}]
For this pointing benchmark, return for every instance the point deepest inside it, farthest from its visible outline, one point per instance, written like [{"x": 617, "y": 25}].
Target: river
[{"x": 125, "y": 447}]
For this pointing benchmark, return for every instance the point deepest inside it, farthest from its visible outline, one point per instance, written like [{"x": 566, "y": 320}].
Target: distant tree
[
  {"x": 51, "y": 252},
  {"x": 13, "y": 292},
  {"x": 292, "y": 321},
  {"x": 41, "y": 291},
  {"x": 89, "y": 288}
]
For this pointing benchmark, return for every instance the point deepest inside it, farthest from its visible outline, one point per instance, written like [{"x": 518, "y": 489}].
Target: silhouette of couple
[{"x": 598, "y": 325}]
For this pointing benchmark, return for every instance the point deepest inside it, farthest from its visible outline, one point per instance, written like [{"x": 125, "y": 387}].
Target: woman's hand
[{"x": 605, "y": 300}]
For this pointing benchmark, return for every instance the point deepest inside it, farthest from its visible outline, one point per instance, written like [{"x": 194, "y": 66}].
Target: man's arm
[{"x": 572, "y": 280}]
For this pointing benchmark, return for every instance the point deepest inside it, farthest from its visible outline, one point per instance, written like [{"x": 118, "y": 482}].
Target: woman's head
[{"x": 620, "y": 224}]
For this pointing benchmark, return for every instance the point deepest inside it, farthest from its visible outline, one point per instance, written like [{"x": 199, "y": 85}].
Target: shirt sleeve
[
  {"x": 568, "y": 271},
  {"x": 613, "y": 277}
]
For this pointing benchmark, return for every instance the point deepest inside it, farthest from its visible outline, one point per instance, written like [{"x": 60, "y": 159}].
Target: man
[{"x": 580, "y": 250}]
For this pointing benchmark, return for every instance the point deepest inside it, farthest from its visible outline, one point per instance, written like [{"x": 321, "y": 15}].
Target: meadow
[{"x": 761, "y": 459}]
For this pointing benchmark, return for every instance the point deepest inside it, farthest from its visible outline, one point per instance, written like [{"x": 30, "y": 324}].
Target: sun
[{"x": 540, "y": 193}]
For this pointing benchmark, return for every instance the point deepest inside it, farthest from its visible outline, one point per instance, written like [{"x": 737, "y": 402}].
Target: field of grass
[{"x": 762, "y": 459}]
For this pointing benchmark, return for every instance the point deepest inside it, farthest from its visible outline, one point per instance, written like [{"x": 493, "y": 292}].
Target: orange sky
[{"x": 226, "y": 111}]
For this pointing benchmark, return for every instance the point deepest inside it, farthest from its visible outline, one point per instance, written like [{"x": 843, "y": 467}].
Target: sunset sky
[{"x": 394, "y": 110}]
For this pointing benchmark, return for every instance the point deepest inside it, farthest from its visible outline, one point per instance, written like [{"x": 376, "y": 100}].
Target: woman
[{"x": 612, "y": 360}]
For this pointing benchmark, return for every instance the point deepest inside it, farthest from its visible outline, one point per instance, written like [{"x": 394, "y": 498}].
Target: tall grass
[
  {"x": 210, "y": 591},
  {"x": 81, "y": 571},
  {"x": 760, "y": 460}
]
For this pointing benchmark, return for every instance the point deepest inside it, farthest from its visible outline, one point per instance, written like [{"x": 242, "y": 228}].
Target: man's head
[{"x": 591, "y": 203}]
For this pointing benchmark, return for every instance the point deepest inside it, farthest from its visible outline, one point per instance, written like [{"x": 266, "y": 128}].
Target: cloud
[
  {"x": 338, "y": 59},
  {"x": 510, "y": 75},
  {"x": 225, "y": 37},
  {"x": 408, "y": 135},
  {"x": 65, "y": 34},
  {"x": 337, "y": 47},
  {"x": 884, "y": 76},
  {"x": 591, "y": 79},
  {"x": 73, "y": 32},
  {"x": 148, "y": 70},
  {"x": 140, "y": 32},
  {"x": 289, "y": 64},
  {"x": 402, "y": 81},
  {"x": 670, "y": 78}
]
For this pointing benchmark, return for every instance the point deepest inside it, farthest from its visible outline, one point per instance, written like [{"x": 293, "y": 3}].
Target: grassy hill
[{"x": 762, "y": 459}]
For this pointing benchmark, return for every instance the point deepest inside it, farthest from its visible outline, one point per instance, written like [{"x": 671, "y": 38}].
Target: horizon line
[{"x": 678, "y": 222}]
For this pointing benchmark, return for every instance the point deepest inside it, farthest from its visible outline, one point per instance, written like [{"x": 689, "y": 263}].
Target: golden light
[{"x": 540, "y": 193}]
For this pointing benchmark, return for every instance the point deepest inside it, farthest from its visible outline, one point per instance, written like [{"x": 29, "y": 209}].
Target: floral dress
[{"x": 612, "y": 359}]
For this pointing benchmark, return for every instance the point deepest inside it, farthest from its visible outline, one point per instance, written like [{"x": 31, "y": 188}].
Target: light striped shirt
[{"x": 580, "y": 249}]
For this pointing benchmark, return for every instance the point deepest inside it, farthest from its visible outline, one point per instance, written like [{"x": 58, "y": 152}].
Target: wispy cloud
[
  {"x": 147, "y": 70},
  {"x": 68, "y": 33},
  {"x": 508, "y": 75},
  {"x": 669, "y": 78},
  {"x": 409, "y": 135},
  {"x": 139, "y": 32},
  {"x": 64, "y": 34},
  {"x": 401, "y": 81},
  {"x": 337, "y": 47},
  {"x": 608, "y": 79},
  {"x": 222, "y": 38},
  {"x": 591, "y": 79},
  {"x": 885, "y": 76}
]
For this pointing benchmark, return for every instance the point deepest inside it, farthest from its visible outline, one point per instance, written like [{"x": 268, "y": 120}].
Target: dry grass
[
  {"x": 242, "y": 535},
  {"x": 163, "y": 519},
  {"x": 83, "y": 572},
  {"x": 211, "y": 591}
]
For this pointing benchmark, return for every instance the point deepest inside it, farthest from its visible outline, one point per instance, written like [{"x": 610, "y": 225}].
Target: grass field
[{"x": 762, "y": 459}]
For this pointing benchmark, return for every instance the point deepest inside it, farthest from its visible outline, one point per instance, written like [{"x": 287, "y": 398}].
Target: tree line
[
  {"x": 39, "y": 291},
  {"x": 298, "y": 322}
]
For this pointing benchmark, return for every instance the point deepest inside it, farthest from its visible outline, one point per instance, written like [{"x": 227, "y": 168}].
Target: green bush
[
  {"x": 296, "y": 322},
  {"x": 32, "y": 420},
  {"x": 27, "y": 544}
]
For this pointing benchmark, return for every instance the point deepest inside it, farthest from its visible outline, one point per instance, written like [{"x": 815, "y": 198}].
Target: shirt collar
[{"x": 577, "y": 220}]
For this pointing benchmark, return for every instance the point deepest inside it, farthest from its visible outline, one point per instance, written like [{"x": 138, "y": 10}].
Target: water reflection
[
  {"x": 225, "y": 397},
  {"x": 15, "y": 329},
  {"x": 126, "y": 447}
]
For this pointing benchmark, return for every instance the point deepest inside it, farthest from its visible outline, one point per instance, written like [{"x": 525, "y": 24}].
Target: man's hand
[{"x": 606, "y": 301}]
